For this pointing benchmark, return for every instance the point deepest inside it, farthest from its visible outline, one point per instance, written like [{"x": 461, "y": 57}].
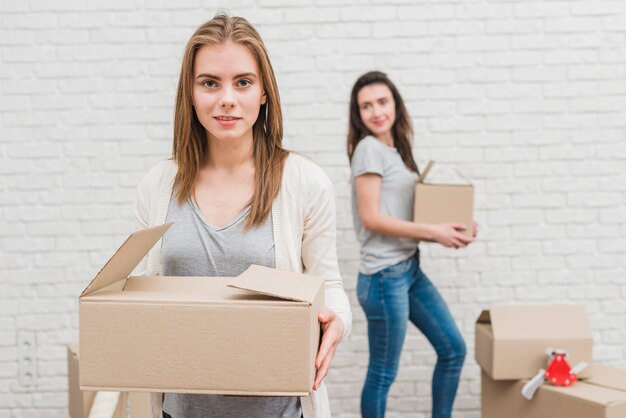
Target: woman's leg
[
  {"x": 384, "y": 298},
  {"x": 429, "y": 312}
]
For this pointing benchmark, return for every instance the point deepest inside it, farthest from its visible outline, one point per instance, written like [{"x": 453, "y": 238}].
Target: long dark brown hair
[
  {"x": 190, "y": 150},
  {"x": 401, "y": 129}
]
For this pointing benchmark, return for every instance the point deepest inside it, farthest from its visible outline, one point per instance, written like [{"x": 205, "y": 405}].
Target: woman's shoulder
[
  {"x": 368, "y": 148},
  {"x": 368, "y": 143},
  {"x": 303, "y": 167},
  {"x": 160, "y": 173},
  {"x": 300, "y": 171}
]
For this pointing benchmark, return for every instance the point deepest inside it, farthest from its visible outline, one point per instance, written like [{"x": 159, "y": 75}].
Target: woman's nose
[{"x": 227, "y": 100}]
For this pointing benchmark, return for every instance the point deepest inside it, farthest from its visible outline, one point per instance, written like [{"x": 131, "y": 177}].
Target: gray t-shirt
[
  {"x": 192, "y": 247},
  {"x": 397, "y": 195}
]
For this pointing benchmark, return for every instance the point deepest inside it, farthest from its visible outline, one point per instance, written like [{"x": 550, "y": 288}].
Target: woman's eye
[
  {"x": 209, "y": 83},
  {"x": 244, "y": 83}
]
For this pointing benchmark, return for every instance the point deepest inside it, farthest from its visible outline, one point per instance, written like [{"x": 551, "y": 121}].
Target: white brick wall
[{"x": 528, "y": 98}]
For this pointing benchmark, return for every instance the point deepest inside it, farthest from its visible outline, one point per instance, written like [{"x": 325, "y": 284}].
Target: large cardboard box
[
  {"x": 255, "y": 334},
  {"x": 444, "y": 202},
  {"x": 511, "y": 340},
  {"x": 603, "y": 396},
  {"x": 80, "y": 401}
]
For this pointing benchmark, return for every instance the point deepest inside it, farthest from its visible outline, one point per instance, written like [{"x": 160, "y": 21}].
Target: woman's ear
[{"x": 264, "y": 99}]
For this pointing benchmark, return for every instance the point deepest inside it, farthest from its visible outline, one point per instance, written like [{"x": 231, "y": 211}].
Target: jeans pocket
[
  {"x": 398, "y": 269},
  {"x": 363, "y": 286}
]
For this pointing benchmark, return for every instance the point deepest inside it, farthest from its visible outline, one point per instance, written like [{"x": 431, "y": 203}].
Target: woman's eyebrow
[
  {"x": 215, "y": 77},
  {"x": 378, "y": 99}
]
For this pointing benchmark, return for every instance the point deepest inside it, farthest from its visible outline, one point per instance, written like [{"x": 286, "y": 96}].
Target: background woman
[
  {"x": 237, "y": 197},
  {"x": 391, "y": 286}
]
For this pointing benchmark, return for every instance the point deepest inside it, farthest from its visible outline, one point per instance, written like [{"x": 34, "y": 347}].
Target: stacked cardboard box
[
  {"x": 510, "y": 348},
  {"x": 255, "y": 334}
]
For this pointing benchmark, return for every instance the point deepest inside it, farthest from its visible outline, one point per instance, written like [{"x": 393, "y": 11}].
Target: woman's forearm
[{"x": 381, "y": 223}]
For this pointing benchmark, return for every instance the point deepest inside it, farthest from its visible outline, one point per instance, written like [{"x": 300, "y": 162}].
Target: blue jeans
[{"x": 389, "y": 298}]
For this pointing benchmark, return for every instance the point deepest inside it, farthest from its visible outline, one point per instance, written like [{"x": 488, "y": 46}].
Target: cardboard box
[
  {"x": 511, "y": 341},
  {"x": 255, "y": 334},
  {"x": 443, "y": 203},
  {"x": 140, "y": 405},
  {"x": 80, "y": 401},
  {"x": 603, "y": 396}
]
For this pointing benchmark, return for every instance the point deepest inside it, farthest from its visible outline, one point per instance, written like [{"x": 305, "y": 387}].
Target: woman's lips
[
  {"x": 379, "y": 122},
  {"x": 227, "y": 120}
]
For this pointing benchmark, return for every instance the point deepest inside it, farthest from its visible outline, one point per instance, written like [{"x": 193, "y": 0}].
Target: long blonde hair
[{"x": 190, "y": 150}]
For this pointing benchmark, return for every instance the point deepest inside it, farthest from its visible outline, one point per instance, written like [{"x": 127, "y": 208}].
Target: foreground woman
[{"x": 237, "y": 198}]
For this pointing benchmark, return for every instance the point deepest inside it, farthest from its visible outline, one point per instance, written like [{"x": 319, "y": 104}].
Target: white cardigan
[{"x": 304, "y": 227}]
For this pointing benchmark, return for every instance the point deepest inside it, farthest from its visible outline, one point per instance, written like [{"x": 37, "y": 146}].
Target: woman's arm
[
  {"x": 319, "y": 243},
  {"x": 319, "y": 257},
  {"x": 368, "y": 188}
]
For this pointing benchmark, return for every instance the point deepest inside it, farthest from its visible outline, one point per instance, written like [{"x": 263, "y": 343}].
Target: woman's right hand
[{"x": 450, "y": 235}]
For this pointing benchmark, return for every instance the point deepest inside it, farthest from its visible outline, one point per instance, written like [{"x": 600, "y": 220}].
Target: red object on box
[{"x": 559, "y": 372}]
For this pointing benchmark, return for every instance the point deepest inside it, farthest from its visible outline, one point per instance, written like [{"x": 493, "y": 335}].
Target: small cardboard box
[
  {"x": 603, "y": 396},
  {"x": 511, "y": 340},
  {"x": 255, "y": 334},
  {"x": 80, "y": 401},
  {"x": 444, "y": 203}
]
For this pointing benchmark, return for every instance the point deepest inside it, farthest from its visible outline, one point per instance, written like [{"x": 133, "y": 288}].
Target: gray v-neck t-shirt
[
  {"x": 192, "y": 247},
  {"x": 397, "y": 194}
]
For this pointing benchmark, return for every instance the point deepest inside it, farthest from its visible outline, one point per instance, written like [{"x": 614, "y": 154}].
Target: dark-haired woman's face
[{"x": 377, "y": 109}]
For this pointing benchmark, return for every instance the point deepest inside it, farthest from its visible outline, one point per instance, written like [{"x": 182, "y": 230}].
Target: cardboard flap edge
[
  {"x": 126, "y": 258},
  {"x": 429, "y": 165},
  {"x": 278, "y": 283},
  {"x": 484, "y": 317},
  {"x": 607, "y": 376}
]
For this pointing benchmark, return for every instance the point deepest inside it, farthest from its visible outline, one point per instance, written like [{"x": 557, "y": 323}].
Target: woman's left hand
[{"x": 332, "y": 331}]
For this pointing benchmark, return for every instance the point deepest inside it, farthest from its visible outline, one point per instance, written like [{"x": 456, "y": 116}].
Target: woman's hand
[
  {"x": 450, "y": 235},
  {"x": 332, "y": 331}
]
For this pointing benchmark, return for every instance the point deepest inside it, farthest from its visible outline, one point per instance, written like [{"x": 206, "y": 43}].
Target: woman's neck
[{"x": 231, "y": 154}]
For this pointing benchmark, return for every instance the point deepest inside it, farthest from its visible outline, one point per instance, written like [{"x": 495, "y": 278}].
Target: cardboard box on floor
[
  {"x": 443, "y": 203},
  {"x": 255, "y": 334},
  {"x": 80, "y": 401},
  {"x": 140, "y": 405},
  {"x": 603, "y": 396},
  {"x": 511, "y": 340}
]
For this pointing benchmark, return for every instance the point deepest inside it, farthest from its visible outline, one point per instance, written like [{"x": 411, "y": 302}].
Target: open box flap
[
  {"x": 553, "y": 322},
  {"x": 127, "y": 257},
  {"x": 608, "y": 377},
  {"x": 441, "y": 179},
  {"x": 429, "y": 166},
  {"x": 484, "y": 317},
  {"x": 279, "y": 283}
]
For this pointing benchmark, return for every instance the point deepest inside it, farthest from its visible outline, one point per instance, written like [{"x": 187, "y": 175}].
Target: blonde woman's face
[
  {"x": 377, "y": 108},
  {"x": 227, "y": 91}
]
